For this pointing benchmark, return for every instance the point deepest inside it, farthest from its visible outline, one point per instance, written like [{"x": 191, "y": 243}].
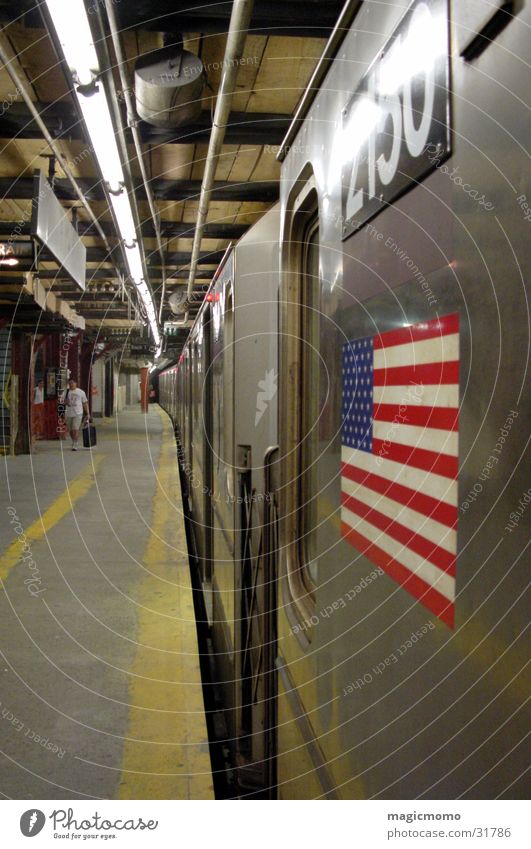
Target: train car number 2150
[{"x": 398, "y": 115}]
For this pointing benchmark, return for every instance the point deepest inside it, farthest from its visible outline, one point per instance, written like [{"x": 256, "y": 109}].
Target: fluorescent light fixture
[
  {"x": 97, "y": 117},
  {"x": 124, "y": 217},
  {"x": 134, "y": 262},
  {"x": 73, "y": 31},
  {"x": 7, "y": 256}
]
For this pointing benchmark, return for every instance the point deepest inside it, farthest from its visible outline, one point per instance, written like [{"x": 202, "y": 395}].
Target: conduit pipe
[
  {"x": 132, "y": 124},
  {"x": 238, "y": 27}
]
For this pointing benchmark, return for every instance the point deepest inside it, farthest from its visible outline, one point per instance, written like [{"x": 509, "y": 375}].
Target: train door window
[
  {"x": 309, "y": 413},
  {"x": 228, "y": 389},
  {"x": 300, "y": 398},
  {"x": 196, "y": 391}
]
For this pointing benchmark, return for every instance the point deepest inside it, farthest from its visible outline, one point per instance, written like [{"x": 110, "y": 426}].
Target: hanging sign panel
[{"x": 50, "y": 225}]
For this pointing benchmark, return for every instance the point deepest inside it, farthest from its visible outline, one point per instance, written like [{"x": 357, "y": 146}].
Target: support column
[
  {"x": 144, "y": 389},
  {"x": 21, "y": 366}
]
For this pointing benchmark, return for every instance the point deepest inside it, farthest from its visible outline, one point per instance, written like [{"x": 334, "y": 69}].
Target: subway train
[{"x": 351, "y": 411}]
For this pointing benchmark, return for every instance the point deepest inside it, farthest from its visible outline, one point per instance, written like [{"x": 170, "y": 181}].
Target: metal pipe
[
  {"x": 132, "y": 123},
  {"x": 239, "y": 24},
  {"x": 51, "y": 142}
]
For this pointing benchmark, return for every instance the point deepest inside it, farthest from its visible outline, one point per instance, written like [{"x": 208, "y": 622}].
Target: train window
[
  {"x": 228, "y": 373},
  {"x": 300, "y": 399},
  {"x": 310, "y": 383},
  {"x": 228, "y": 395}
]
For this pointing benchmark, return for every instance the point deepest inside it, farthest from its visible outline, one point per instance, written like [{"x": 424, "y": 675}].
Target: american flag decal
[{"x": 399, "y": 456}]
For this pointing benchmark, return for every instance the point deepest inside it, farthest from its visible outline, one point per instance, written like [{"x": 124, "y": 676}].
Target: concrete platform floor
[{"x": 100, "y": 691}]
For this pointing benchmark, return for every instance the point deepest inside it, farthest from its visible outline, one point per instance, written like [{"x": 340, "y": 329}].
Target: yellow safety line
[
  {"x": 174, "y": 760},
  {"x": 75, "y": 490}
]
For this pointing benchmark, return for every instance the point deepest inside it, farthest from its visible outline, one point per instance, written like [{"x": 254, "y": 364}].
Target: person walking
[
  {"x": 38, "y": 410},
  {"x": 76, "y": 408}
]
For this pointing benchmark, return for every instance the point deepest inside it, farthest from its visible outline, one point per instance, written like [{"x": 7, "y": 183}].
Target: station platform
[{"x": 101, "y": 694}]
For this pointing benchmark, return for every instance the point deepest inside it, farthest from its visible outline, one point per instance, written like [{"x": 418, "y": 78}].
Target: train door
[
  {"x": 222, "y": 489},
  {"x": 302, "y": 404},
  {"x": 256, "y": 630},
  {"x": 206, "y": 407},
  {"x": 255, "y": 436}
]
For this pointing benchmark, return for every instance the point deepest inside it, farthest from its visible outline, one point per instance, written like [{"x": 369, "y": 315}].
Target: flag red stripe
[
  {"x": 418, "y": 332},
  {"x": 427, "y": 595},
  {"x": 427, "y": 374},
  {"x": 441, "y": 558},
  {"x": 443, "y": 418},
  {"x": 420, "y": 458},
  {"x": 441, "y": 511}
]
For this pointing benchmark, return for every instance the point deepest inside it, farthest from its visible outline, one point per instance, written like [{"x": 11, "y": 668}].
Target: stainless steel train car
[{"x": 352, "y": 409}]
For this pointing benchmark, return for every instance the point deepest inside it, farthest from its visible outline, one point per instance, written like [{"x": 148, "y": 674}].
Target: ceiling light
[
  {"x": 124, "y": 218},
  {"x": 73, "y": 31},
  {"x": 134, "y": 262},
  {"x": 7, "y": 256},
  {"x": 95, "y": 111},
  {"x": 72, "y": 26}
]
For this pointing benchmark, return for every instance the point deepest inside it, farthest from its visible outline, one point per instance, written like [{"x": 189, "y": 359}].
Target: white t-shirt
[{"x": 75, "y": 398}]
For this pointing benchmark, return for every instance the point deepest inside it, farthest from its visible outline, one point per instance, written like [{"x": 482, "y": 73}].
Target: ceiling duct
[
  {"x": 169, "y": 86},
  {"x": 177, "y": 302}
]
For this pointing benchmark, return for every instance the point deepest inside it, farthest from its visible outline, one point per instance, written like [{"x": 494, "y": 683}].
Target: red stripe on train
[
  {"x": 441, "y": 511},
  {"x": 419, "y": 458},
  {"x": 442, "y": 418},
  {"x": 428, "y": 374},
  {"x": 423, "y": 592},
  {"x": 440, "y": 557}
]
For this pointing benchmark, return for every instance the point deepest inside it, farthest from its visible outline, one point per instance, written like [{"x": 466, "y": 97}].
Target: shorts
[{"x": 73, "y": 422}]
